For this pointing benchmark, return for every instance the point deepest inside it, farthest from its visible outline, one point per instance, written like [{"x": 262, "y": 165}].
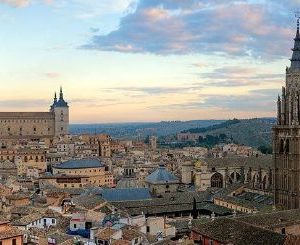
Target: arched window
[
  {"x": 287, "y": 146},
  {"x": 281, "y": 146},
  {"x": 216, "y": 180}
]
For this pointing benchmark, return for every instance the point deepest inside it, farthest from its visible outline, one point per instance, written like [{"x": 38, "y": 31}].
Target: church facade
[
  {"x": 34, "y": 125},
  {"x": 286, "y": 136}
]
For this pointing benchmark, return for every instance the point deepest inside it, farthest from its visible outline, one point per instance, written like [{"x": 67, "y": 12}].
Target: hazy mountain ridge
[
  {"x": 253, "y": 132},
  {"x": 142, "y": 130}
]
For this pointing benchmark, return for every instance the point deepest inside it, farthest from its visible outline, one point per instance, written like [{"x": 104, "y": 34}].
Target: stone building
[
  {"x": 256, "y": 172},
  {"x": 36, "y": 125},
  {"x": 153, "y": 142},
  {"x": 286, "y": 134},
  {"x": 162, "y": 181},
  {"x": 97, "y": 173}
]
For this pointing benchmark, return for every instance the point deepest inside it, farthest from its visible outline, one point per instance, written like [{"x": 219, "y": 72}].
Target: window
[
  {"x": 75, "y": 226},
  {"x": 53, "y": 221},
  {"x": 283, "y": 231},
  {"x": 61, "y": 129},
  {"x": 148, "y": 228},
  {"x": 8, "y": 129},
  {"x": 14, "y": 241}
]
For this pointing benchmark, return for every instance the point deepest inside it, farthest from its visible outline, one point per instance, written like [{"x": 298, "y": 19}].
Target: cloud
[
  {"x": 154, "y": 90},
  {"x": 181, "y": 27},
  {"x": 23, "y": 103},
  {"x": 237, "y": 76},
  {"x": 16, "y": 3},
  {"x": 263, "y": 100},
  {"x": 52, "y": 75}
]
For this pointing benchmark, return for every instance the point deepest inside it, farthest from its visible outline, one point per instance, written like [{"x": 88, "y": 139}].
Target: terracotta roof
[
  {"x": 230, "y": 231},
  {"x": 120, "y": 242},
  {"x": 105, "y": 234},
  {"x": 273, "y": 219},
  {"x": 130, "y": 234},
  {"x": 10, "y": 232}
]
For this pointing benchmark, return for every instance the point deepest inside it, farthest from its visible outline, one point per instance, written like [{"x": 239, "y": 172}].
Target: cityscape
[{"x": 164, "y": 122}]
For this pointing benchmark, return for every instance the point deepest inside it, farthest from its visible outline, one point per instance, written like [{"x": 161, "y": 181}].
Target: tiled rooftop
[
  {"x": 81, "y": 163},
  {"x": 230, "y": 231},
  {"x": 161, "y": 175}
]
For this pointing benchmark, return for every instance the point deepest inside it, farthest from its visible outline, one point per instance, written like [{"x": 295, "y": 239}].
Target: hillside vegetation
[{"x": 253, "y": 132}]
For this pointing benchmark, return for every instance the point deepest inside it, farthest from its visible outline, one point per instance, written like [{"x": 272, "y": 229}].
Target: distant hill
[
  {"x": 141, "y": 130},
  {"x": 253, "y": 132}
]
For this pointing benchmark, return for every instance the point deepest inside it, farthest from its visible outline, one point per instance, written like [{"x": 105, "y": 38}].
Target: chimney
[
  {"x": 213, "y": 216},
  {"x": 92, "y": 233}
]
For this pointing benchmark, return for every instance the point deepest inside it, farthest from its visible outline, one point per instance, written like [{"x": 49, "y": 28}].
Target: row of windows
[
  {"x": 23, "y": 121},
  {"x": 31, "y": 158},
  {"x": 40, "y": 221},
  {"x": 21, "y": 129}
]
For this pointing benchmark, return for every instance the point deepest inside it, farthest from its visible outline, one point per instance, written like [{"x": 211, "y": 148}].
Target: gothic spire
[{"x": 295, "y": 60}]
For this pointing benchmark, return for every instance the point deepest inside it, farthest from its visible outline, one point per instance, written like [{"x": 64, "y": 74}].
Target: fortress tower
[{"x": 60, "y": 109}]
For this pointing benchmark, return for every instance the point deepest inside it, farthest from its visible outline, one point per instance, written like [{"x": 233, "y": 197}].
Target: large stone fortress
[
  {"x": 286, "y": 136},
  {"x": 34, "y": 125}
]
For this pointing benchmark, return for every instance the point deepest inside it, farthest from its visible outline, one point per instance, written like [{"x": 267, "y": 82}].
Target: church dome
[{"x": 161, "y": 176}]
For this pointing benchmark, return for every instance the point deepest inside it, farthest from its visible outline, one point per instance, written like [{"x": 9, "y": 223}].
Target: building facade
[
  {"x": 286, "y": 136},
  {"x": 34, "y": 125},
  {"x": 91, "y": 171}
]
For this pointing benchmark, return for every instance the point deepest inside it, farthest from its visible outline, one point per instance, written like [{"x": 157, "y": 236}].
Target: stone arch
[
  {"x": 264, "y": 182},
  {"x": 255, "y": 180},
  {"x": 235, "y": 177},
  {"x": 248, "y": 178},
  {"x": 216, "y": 180}
]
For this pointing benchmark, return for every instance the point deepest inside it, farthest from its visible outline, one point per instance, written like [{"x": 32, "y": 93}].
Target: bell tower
[
  {"x": 60, "y": 109},
  {"x": 286, "y": 135}
]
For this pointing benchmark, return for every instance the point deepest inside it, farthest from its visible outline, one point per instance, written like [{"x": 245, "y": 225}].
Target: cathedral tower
[
  {"x": 60, "y": 109},
  {"x": 286, "y": 136}
]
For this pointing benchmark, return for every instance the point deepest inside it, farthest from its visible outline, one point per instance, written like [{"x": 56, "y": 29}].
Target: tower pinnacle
[
  {"x": 55, "y": 98},
  {"x": 295, "y": 60},
  {"x": 297, "y": 15},
  {"x": 61, "y": 95}
]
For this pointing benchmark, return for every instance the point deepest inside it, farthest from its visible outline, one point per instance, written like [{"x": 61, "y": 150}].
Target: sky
[{"x": 146, "y": 60}]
